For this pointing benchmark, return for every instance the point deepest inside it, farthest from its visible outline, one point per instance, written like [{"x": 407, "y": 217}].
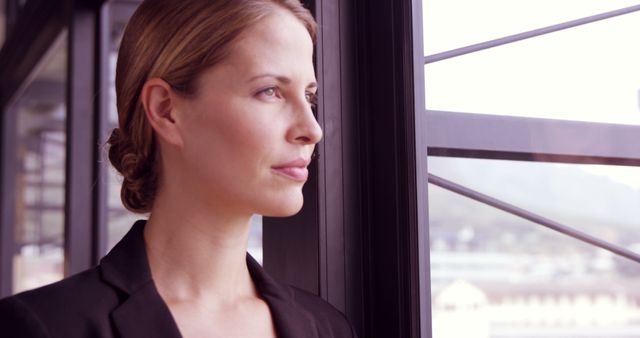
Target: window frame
[
  {"x": 518, "y": 138},
  {"x": 482, "y": 136}
]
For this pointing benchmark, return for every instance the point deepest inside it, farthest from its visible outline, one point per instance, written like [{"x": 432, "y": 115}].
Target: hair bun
[{"x": 138, "y": 172}]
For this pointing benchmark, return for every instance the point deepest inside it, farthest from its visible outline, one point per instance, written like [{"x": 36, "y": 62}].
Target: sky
[{"x": 586, "y": 73}]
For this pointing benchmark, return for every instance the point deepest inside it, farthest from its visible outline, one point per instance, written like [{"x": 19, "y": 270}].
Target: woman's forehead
[
  {"x": 278, "y": 32},
  {"x": 276, "y": 45}
]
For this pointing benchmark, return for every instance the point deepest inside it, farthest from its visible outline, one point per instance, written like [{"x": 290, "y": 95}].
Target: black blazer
[{"x": 119, "y": 299}]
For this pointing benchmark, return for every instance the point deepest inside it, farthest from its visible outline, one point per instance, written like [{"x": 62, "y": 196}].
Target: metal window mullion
[
  {"x": 527, "y": 35},
  {"x": 101, "y": 126},
  {"x": 8, "y": 172},
  {"x": 454, "y": 134},
  {"x": 81, "y": 139},
  {"x": 421, "y": 141}
]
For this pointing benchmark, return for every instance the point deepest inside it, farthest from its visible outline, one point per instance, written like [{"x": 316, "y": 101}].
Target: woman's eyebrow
[{"x": 282, "y": 79}]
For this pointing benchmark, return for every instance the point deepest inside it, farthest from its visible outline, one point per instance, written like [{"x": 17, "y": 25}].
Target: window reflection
[
  {"x": 506, "y": 277},
  {"x": 40, "y": 181}
]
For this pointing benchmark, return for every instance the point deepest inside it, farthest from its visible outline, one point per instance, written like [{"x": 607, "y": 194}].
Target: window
[
  {"x": 40, "y": 173},
  {"x": 535, "y": 116}
]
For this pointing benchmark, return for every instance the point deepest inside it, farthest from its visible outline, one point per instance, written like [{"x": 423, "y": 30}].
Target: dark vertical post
[
  {"x": 101, "y": 166},
  {"x": 82, "y": 138},
  {"x": 394, "y": 189},
  {"x": 339, "y": 200},
  {"x": 8, "y": 141}
]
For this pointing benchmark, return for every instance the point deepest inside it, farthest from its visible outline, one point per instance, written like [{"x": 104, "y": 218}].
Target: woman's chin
[{"x": 283, "y": 207}]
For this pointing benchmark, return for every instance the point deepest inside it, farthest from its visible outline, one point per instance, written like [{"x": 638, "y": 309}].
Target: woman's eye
[
  {"x": 271, "y": 92},
  {"x": 312, "y": 98}
]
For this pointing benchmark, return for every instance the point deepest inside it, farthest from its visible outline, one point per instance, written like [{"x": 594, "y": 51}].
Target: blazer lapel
[
  {"x": 142, "y": 312},
  {"x": 291, "y": 320}
]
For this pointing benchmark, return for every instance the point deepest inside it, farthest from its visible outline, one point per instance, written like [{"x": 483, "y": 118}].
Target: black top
[{"x": 118, "y": 298}]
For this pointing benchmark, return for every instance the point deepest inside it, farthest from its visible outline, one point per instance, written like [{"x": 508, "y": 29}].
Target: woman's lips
[
  {"x": 294, "y": 173},
  {"x": 295, "y": 170}
]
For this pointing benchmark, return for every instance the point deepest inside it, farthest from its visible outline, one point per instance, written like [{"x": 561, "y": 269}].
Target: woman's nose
[{"x": 306, "y": 129}]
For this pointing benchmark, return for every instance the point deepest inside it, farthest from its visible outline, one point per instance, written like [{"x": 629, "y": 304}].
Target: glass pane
[
  {"x": 450, "y": 24},
  {"x": 119, "y": 218},
  {"x": 600, "y": 200},
  {"x": 40, "y": 181},
  {"x": 586, "y": 73},
  {"x": 495, "y": 275},
  {"x": 255, "y": 238}
]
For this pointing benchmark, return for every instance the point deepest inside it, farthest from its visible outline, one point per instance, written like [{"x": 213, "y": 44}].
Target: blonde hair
[{"x": 175, "y": 40}]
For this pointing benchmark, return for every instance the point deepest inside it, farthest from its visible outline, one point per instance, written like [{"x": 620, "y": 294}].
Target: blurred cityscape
[{"x": 498, "y": 276}]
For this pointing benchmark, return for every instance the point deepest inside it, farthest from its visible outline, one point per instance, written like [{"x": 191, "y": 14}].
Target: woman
[{"x": 215, "y": 125}]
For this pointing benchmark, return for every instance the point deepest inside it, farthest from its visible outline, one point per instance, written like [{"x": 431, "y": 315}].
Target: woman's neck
[{"x": 198, "y": 256}]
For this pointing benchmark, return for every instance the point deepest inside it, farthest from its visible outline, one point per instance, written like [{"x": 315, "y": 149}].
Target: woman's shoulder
[
  {"x": 18, "y": 320},
  {"x": 79, "y": 300}
]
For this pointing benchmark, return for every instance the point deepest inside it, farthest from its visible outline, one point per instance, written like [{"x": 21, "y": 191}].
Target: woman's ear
[{"x": 159, "y": 106}]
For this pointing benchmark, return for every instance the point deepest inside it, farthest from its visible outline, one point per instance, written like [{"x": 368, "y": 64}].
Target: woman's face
[{"x": 249, "y": 132}]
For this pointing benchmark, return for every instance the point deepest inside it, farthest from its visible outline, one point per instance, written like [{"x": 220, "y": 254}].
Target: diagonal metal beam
[
  {"x": 527, "y": 35},
  {"x": 535, "y": 218}
]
